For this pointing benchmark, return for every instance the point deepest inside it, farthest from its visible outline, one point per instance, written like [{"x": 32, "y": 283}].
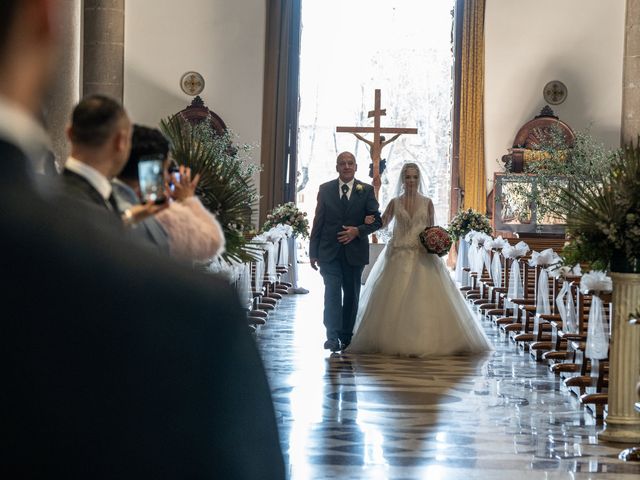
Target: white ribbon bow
[
  {"x": 598, "y": 331},
  {"x": 545, "y": 258},
  {"x": 567, "y": 309},
  {"x": 516, "y": 288},
  {"x": 496, "y": 270},
  {"x": 462, "y": 261}
]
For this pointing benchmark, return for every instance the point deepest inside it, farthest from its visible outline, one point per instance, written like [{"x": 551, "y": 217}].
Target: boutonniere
[{"x": 359, "y": 188}]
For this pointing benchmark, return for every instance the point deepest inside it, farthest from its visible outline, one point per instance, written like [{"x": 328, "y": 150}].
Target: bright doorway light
[{"x": 348, "y": 49}]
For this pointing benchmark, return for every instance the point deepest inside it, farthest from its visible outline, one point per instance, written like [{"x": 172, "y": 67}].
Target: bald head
[
  {"x": 346, "y": 166},
  {"x": 100, "y": 134}
]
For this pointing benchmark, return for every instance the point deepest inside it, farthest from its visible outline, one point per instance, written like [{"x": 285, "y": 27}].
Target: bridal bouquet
[
  {"x": 436, "y": 240},
  {"x": 288, "y": 214},
  {"x": 468, "y": 220}
]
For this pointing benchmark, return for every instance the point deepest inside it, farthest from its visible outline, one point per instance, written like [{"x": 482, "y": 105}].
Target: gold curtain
[
  {"x": 280, "y": 104},
  {"x": 471, "y": 136}
]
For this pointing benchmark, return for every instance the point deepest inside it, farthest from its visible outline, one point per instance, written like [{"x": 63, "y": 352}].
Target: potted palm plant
[
  {"x": 226, "y": 186},
  {"x": 603, "y": 224}
]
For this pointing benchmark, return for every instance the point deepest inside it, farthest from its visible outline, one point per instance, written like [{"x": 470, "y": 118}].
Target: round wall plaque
[
  {"x": 555, "y": 92},
  {"x": 192, "y": 83}
]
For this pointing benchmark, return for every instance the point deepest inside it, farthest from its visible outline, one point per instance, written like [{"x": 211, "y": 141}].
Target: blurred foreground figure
[{"x": 113, "y": 365}]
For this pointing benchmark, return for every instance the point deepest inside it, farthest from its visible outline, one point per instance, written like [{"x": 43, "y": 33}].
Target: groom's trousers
[{"x": 341, "y": 294}]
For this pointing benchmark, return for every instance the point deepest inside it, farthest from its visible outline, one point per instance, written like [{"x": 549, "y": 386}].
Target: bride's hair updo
[
  {"x": 421, "y": 179},
  {"x": 408, "y": 165}
]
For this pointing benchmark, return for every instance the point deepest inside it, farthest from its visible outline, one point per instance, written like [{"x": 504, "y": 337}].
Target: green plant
[
  {"x": 226, "y": 187},
  {"x": 555, "y": 165},
  {"x": 603, "y": 215}
]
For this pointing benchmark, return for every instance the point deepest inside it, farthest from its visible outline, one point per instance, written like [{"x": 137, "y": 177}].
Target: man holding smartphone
[{"x": 100, "y": 137}]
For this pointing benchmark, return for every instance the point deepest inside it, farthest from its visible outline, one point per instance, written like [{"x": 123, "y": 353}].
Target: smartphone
[{"x": 151, "y": 178}]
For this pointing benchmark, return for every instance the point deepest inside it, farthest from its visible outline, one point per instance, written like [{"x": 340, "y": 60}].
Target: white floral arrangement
[
  {"x": 288, "y": 214},
  {"x": 468, "y": 220}
]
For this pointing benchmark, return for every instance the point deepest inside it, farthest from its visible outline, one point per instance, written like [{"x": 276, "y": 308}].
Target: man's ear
[{"x": 121, "y": 139}]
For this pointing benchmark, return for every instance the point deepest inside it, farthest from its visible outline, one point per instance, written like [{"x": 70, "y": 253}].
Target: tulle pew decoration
[
  {"x": 564, "y": 300},
  {"x": 516, "y": 285},
  {"x": 462, "y": 261},
  {"x": 597, "y": 283},
  {"x": 496, "y": 245},
  {"x": 481, "y": 257},
  {"x": 544, "y": 260},
  {"x": 278, "y": 235},
  {"x": 471, "y": 254}
]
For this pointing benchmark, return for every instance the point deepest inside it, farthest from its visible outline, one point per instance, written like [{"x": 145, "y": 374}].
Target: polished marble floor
[{"x": 496, "y": 416}]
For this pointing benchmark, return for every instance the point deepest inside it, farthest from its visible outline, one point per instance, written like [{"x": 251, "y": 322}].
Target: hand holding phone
[{"x": 183, "y": 186}]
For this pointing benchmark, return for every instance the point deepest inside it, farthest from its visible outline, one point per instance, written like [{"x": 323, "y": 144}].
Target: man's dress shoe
[{"x": 332, "y": 344}]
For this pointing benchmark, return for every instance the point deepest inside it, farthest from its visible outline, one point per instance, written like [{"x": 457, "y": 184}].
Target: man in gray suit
[{"x": 339, "y": 244}]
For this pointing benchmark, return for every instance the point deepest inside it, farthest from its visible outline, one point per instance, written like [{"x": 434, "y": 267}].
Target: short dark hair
[
  {"x": 94, "y": 120},
  {"x": 8, "y": 9},
  {"x": 145, "y": 141}
]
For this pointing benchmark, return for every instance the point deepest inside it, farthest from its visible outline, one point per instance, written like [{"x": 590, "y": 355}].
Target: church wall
[
  {"x": 221, "y": 39},
  {"x": 531, "y": 42}
]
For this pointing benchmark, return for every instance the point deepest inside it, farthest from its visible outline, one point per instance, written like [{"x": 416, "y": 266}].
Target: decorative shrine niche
[
  {"x": 512, "y": 213},
  {"x": 198, "y": 112}
]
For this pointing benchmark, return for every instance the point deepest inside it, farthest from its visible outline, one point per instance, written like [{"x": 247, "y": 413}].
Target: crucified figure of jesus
[
  {"x": 372, "y": 152},
  {"x": 377, "y": 144}
]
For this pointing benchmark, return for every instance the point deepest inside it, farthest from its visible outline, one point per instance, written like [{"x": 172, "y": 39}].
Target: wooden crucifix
[{"x": 378, "y": 143}]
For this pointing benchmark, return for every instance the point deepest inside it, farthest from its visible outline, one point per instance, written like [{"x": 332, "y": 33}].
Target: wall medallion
[
  {"x": 192, "y": 83},
  {"x": 555, "y": 92}
]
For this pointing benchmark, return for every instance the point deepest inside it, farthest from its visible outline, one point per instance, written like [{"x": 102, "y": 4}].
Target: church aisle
[{"x": 496, "y": 416}]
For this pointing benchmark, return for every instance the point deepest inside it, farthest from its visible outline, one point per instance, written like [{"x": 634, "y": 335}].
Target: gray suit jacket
[{"x": 150, "y": 230}]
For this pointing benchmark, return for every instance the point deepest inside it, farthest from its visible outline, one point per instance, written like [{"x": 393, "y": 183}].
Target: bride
[{"x": 409, "y": 304}]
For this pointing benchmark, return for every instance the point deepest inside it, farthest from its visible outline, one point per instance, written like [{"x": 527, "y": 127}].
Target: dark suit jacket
[
  {"x": 116, "y": 364},
  {"x": 330, "y": 216},
  {"x": 78, "y": 187}
]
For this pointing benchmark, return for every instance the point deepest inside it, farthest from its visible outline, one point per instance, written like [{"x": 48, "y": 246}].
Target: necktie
[
  {"x": 113, "y": 205},
  {"x": 344, "y": 198}
]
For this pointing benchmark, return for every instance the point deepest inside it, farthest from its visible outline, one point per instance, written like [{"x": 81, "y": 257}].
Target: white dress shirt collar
[
  {"x": 349, "y": 184},
  {"x": 91, "y": 175},
  {"x": 17, "y": 126}
]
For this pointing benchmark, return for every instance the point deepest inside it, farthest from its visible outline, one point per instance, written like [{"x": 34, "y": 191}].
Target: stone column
[
  {"x": 65, "y": 90},
  {"x": 103, "y": 58},
  {"x": 631, "y": 74},
  {"x": 623, "y": 422}
]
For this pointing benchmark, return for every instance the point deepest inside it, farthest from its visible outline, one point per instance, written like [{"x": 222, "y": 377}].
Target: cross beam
[{"x": 376, "y": 146}]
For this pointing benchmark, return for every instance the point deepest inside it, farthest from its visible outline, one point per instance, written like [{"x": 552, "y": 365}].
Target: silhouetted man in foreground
[{"x": 113, "y": 365}]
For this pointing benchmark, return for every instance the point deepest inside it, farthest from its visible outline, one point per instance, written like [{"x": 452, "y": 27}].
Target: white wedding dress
[{"x": 410, "y": 305}]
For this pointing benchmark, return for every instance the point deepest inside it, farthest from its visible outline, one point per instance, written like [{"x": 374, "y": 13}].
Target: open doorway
[{"x": 350, "y": 48}]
